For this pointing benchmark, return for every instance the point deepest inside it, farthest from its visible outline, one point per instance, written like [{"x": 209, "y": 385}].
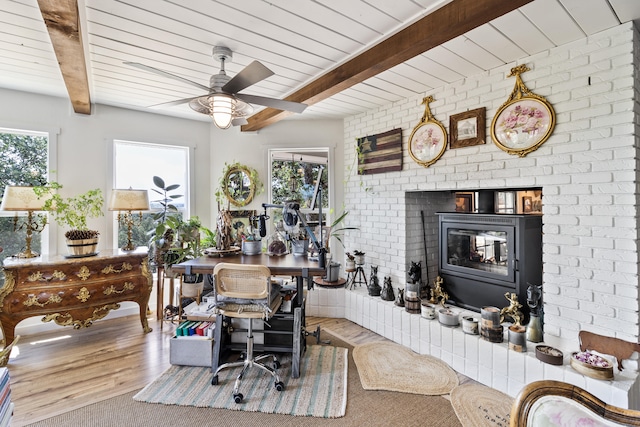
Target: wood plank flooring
[{"x": 65, "y": 369}]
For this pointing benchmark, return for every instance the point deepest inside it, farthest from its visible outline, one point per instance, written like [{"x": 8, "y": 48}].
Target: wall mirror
[{"x": 238, "y": 185}]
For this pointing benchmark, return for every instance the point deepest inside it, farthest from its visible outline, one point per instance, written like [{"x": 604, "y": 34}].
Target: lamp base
[
  {"x": 27, "y": 254},
  {"x": 129, "y": 247}
]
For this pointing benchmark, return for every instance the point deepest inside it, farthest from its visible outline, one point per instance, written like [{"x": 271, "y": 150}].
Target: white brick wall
[{"x": 587, "y": 172}]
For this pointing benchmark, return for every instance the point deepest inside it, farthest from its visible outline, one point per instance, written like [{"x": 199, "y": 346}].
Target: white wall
[{"x": 587, "y": 170}]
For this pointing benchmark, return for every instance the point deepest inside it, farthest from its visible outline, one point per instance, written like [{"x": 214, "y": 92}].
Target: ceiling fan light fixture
[{"x": 221, "y": 109}]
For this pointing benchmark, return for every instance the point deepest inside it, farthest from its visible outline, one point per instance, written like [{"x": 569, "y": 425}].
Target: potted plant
[
  {"x": 337, "y": 229},
  {"x": 73, "y": 212},
  {"x": 186, "y": 245},
  {"x": 162, "y": 236}
]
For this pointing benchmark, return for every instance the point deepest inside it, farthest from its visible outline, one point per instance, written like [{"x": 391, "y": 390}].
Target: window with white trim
[{"x": 135, "y": 164}]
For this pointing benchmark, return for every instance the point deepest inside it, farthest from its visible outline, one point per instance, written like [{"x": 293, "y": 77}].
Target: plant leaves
[{"x": 159, "y": 182}]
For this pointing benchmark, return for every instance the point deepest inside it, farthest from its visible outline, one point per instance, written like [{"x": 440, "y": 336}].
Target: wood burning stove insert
[{"x": 483, "y": 256}]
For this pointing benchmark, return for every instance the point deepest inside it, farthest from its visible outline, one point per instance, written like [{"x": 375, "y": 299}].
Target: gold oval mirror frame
[{"x": 238, "y": 186}]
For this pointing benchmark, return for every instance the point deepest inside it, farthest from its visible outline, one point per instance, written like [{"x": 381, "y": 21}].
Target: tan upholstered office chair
[{"x": 244, "y": 291}]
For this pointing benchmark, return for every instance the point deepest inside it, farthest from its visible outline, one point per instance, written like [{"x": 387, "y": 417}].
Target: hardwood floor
[{"x": 65, "y": 369}]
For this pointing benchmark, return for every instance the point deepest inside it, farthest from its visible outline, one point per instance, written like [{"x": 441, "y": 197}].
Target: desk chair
[{"x": 244, "y": 291}]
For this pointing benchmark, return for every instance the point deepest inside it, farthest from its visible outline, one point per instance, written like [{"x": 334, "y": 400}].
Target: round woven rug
[
  {"x": 477, "y": 405},
  {"x": 389, "y": 366}
]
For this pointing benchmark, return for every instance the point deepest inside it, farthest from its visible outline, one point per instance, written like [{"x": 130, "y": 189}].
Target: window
[
  {"x": 135, "y": 165},
  {"x": 301, "y": 175},
  {"x": 24, "y": 161}
]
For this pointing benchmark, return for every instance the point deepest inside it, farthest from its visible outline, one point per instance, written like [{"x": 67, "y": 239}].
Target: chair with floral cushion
[{"x": 554, "y": 403}]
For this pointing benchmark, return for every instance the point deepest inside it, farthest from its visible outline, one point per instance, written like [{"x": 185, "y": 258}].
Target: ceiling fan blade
[
  {"x": 174, "y": 103},
  {"x": 280, "y": 104},
  {"x": 240, "y": 121},
  {"x": 166, "y": 74},
  {"x": 251, "y": 74}
]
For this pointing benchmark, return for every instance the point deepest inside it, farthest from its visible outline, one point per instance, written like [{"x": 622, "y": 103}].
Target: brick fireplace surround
[{"x": 588, "y": 174}]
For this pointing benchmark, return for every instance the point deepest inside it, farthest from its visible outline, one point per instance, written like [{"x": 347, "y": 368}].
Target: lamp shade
[
  {"x": 222, "y": 108},
  {"x": 22, "y": 198},
  {"x": 129, "y": 200}
]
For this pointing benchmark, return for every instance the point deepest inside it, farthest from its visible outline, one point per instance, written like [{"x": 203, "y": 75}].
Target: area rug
[
  {"x": 477, "y": 405},
  {"x": 364, "y": 407},
  {"x": 320, "y": 391},
  {"x": 386, "y": 365}
]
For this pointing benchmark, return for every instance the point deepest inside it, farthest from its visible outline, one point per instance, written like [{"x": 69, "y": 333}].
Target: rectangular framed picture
[
  {"x": 467, "y": 129},
  {"x": 464, "y": 202},
  {"x": 527, "y": 206},
  {"x": 241, "y": 224}
]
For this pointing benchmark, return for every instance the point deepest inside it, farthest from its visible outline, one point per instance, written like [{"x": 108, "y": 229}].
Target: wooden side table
[{"x": 73, "y": 291}]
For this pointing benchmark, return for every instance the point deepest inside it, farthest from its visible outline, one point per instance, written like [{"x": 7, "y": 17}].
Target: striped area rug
[{"x": 320, "y": 391}]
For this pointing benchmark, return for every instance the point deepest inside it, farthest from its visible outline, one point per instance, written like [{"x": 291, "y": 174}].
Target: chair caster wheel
[
  {"x": 276, "y": 364},
  {"x": 279, "y": 386},
  {"x": 214, "y": 380},
  {"x": 238, "y": 398}
]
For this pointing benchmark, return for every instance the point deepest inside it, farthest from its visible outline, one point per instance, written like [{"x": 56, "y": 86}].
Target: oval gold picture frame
[
  {"x": 525, "y": 121},
  {"x": 428, "y": 140}
]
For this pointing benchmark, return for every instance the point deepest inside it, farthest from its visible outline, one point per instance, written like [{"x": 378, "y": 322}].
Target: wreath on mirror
[{"x": 239, "y": 184}]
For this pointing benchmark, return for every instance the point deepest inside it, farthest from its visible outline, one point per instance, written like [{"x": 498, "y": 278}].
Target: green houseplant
[
  {"x": 162, "y": 236},
  {"x": 173, "y": 239},
  {"x": 73, "y": 213}
]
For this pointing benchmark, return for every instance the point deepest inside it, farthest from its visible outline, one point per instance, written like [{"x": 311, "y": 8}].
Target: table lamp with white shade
[
  {"x": 19, "y": 198},
  {"x": 125, "y": 201}
]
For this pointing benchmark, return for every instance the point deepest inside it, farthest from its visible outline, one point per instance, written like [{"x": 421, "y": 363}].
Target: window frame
[
  {"x": 186, "y": 190},
  {"x": 326, "y": 211},
  {"x": 48, "y": 235}
]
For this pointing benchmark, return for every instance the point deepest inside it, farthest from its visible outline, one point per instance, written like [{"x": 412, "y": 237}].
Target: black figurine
[
  {"x": 400, "y": 300},
  {"x": 374, "y": 287},
  {"x": 387, "y": 291},
  {"x": 415, "y": 272}
]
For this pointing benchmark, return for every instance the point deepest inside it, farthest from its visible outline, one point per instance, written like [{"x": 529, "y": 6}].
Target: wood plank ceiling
[{"x": 343, "y": 57}]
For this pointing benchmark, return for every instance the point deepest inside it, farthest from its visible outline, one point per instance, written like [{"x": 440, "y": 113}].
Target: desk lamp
[
  {"x": 23, "y": 198},
  {"x": 126, "y": 201}
]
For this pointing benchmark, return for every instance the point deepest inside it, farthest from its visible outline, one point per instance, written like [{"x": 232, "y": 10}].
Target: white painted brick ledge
[{"x": 491, "y": 364}]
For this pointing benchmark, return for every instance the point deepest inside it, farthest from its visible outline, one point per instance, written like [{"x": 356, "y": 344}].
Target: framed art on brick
[
  {"x": 380, "y": 153},
  {"x": 428, "y": 141},
  {"x": 467, "y": 129},
  {"x": 525, "y": 121}
]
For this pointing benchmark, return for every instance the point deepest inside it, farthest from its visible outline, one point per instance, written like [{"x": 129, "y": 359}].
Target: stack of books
[
  {"x": 195, "y": 329},
  {"x": 6, "y": 406}
]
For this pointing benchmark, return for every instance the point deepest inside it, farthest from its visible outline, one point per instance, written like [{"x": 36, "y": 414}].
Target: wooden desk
[
  {"x": 287, "y": 265},
  {"x": 290, "y": 326},
  {"x": 73, "y": 291}
]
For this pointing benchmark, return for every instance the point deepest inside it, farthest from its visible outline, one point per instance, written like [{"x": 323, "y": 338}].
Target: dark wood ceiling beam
[
  {"x": 63, "y": 23},
  {"x": 444, "y": 24}
]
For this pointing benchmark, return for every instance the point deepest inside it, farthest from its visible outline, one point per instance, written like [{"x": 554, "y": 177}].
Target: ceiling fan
[{"x": 223, "y": 102}]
